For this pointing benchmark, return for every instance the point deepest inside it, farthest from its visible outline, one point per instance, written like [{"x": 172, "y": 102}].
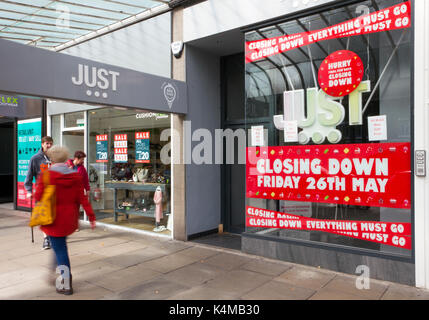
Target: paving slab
[
  {"x": 22, "y": 275},
  {"x": 123, "y": 279},
  {"x": 194, "y": 274},
  {"x": 332, "y": 294},
  {"x": 170, "y": 262},
  {"x": 400, "y": 292},
  {"x": 238, "y": 281},
  {"x": 27, "y": 290},
  {"x": 82, "y": 290},
  {"x": 114, "y": 250},
  {"x": 267, "y": 268},
  {"x": 303, "y": 277},
  {"x": 227, "y": 261},
  {"x": 135, "y": 257},
  {"x": 201, "y": 253},
  {"x": 347, "y": 284},
  {"x": 276, "y": 290},
  {"x": 92, "y": 270},
  {"x": 155, "y": 289},
  {"x": 204, "y": 293}
]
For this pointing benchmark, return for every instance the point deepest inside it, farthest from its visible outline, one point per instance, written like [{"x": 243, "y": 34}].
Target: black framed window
[{"x": 387, "y": 70}]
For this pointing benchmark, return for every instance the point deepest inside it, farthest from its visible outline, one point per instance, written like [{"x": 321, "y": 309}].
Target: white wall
[
  {"x": 144, "y": 47},
  {"x": 215, "y": 16},
  {"x": 421, "y": 140}
]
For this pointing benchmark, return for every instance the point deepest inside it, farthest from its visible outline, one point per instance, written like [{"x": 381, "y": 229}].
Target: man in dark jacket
[{"x": 38, "y": 163}]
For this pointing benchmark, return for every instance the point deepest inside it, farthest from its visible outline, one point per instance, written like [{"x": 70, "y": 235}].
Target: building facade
[{"x": 329, "y": 97}]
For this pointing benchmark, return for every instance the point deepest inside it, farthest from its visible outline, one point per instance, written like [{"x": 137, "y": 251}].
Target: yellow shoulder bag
[{"x": 44, "y": 210}]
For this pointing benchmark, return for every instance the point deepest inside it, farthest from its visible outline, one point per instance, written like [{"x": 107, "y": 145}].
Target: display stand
[{"x": 132, "y": 186}]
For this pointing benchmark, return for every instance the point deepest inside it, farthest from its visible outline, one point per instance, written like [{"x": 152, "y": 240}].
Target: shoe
[
  {"x": 66, "y": 292},
  {"x": 159, "y": 229},
  {"x": 46, "y": 244}
]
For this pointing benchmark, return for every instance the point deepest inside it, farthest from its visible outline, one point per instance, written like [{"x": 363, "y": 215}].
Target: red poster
[
  {"x": 397, "y": 234},
  {"x": 21, "y": 197},
  {"x": 101, "y": 137},
  {"x": 393, "y": 18},
  {"x": 341, "y": 73},
  {"x": 377, "y": 175}
]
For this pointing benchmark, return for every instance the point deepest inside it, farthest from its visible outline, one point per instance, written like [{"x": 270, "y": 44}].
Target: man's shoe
[{"x": 46, "y": 244}]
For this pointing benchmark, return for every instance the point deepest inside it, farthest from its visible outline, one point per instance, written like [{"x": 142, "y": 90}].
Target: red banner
[
  {"x": 397, "y": 234},
  {"x": 377, "y": 175},
  {"x": 393, "y": 18}
]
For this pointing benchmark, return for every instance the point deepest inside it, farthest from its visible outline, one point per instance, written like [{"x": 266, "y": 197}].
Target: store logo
[
  {"x": 8, "y": 101},
  {"x": 322, "y": 113},
  {"x": 96, "y": 78},
  {"x": 170, "y": 93}
]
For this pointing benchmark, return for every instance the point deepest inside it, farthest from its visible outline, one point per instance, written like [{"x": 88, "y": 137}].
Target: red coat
[
  {"x": 69, "y": 197},
  {"x": 81, "y": 169}
]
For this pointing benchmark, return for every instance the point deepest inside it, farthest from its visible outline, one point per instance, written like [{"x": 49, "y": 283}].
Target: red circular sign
[{"x": 341, "y": 73}]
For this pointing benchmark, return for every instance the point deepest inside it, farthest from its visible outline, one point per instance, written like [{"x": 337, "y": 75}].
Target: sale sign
[
  {"x": 101, "y": 148},
  {"x": 142, "y": 147},
  {"x": 397, "y": 234},
  {"x": 393, "y": 18},
  {"x": 121, "y": 148},
  {"x": 377, "y": 175},
  {"x": 341, "y": 73}
]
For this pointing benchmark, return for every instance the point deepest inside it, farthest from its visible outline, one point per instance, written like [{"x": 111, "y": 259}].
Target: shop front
[
  {"x": 127, "y": 161},
  {"x": 120, "y": 118},
  {"x": 330, "y": 104}
]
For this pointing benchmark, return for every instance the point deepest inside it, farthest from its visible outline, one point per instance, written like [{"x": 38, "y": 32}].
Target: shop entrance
[
  {"x": 233, "y": 175},
  {"x": 6, "y": 160}
]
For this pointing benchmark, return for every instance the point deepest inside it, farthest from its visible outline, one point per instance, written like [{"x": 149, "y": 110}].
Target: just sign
[
  {"x": 94, "y": 77},
  {"x": 324, "y": 113}
]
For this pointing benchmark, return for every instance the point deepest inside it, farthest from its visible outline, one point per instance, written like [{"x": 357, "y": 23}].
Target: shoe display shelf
[{"x": 132, "y": 186}]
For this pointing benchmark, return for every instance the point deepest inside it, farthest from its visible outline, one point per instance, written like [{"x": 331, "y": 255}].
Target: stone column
[{"x": 178, "y": 167}]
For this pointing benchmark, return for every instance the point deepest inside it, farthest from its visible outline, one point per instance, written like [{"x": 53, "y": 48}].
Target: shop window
[
  {"x": 74, "y": 120},
  {"x": 56, "y": 129},
  {"x": 339, "y": 88},
  {"x": 130, "y": 180}
]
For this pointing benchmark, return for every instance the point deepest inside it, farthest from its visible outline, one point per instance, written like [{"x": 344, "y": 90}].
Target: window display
[
  {"x": 131, "y": 184},
  {"x": 337, "y": 87}
]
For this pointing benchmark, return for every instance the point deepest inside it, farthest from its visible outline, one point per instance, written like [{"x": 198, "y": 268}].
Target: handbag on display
[{"x": 43, "y": 213}]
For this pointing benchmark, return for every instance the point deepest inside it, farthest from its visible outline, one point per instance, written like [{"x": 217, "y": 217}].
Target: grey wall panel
[
  {"x": 144, "y": 46},
  {"x": 216, "y": 16},
  {"x": 203, "y": 197},
  {"x": 32, "y": 71}
]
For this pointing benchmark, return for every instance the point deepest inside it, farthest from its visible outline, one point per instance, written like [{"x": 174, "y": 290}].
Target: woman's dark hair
[{"x": 79, "y": 154}]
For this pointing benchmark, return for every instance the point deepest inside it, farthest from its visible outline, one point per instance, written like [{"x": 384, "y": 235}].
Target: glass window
[
  {"x": 56, "y": 129},
  {"x": 73, "y": 120},
  {"x": 342, "y": 93},
  {"x": 129, "y": 176}
]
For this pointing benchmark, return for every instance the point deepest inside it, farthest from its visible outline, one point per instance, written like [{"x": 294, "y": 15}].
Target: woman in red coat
[
  {"x": 69, "y": 192},
  {"x": 77, "y": 164}
]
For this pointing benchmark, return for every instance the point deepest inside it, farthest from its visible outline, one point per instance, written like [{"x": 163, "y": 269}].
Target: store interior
[{"x": 129, "y": 181}]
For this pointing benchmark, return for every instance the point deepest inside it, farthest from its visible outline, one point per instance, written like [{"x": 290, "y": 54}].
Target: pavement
[{"x": 116, "y": 265}]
